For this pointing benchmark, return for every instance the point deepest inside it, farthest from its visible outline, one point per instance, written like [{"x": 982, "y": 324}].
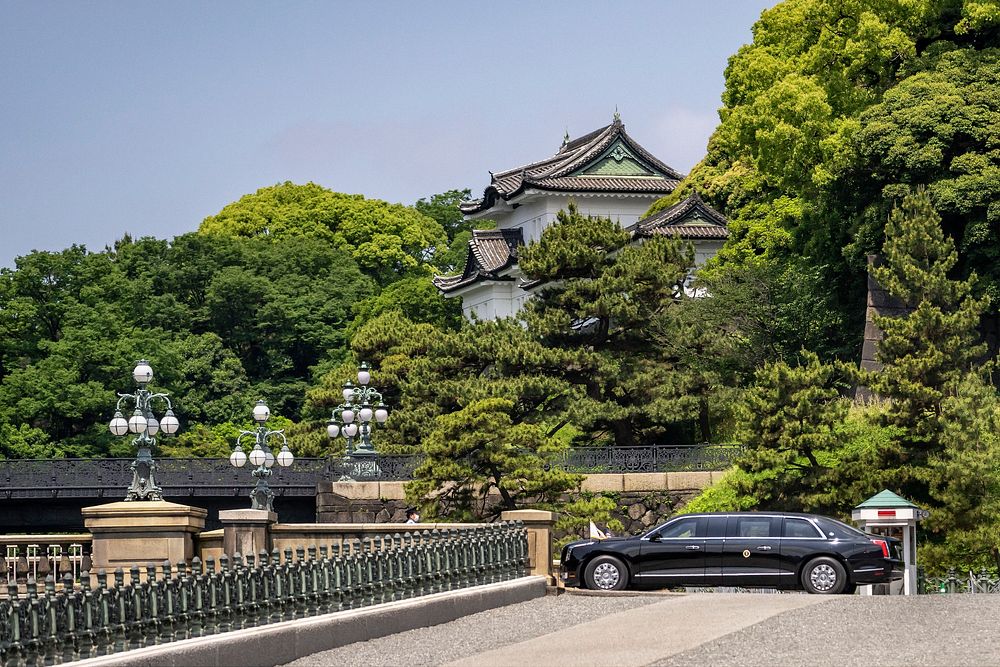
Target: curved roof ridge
[
  {"x": 673, "y": 220},
  {"x": 560, "y": 171}
]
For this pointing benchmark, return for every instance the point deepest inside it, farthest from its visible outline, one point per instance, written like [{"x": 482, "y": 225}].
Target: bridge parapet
[{"x": 166, "y": 603}]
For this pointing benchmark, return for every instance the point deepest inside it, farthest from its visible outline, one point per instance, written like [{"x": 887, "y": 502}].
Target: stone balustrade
[{"x": 167, "y": 603}]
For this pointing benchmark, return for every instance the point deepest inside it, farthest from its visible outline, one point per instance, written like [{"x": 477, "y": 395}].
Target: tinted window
[
  {"x": 716, "y": 526},
  {"x": 681, "y": 528},
  {"x": 799, "y": 528},
  {"x": 835, "y": 528},
  {"x": 750, "y": 526}
]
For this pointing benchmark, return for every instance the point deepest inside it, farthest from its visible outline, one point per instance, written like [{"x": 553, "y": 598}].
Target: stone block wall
[
  {"x": 643, "y": 499},
  {"x": 360, "y": 502}
]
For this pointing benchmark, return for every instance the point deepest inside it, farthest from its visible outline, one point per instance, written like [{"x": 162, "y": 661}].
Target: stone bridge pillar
[
  {"x": 246, "y": 531},
  {"x": 141, "y": 532},
  {"x": 540, "y": 525}
]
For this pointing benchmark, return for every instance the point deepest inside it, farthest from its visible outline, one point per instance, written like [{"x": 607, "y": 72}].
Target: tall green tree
[
  {"x": 834, "y": 106},
  {"x": 789, "y": 422},
  {"x": 926, "y": 352},
  {"x": 486, "y": 405},
  {"x": 965, "y": 479},
  {"x": 606, "y": 301}
]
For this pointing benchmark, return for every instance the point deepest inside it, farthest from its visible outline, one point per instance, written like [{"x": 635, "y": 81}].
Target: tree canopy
[{"x": 386, "y": 240}]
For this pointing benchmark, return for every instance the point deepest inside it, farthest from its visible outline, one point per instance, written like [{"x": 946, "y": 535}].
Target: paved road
[{"x": 701, "y": 629}]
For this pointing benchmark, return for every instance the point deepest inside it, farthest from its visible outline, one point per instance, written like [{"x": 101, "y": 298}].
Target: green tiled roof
[{"x": 885, "y": 498}]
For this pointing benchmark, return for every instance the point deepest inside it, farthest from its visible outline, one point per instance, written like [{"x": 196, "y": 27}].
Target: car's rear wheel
[
  {"x": 825, "y": 576},
  {"x": 606, "y": 573}
]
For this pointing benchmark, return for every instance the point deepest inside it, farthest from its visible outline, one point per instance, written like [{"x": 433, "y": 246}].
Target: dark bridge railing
[
  {"x": 164, "y": 604},
  {"x": 188, "y": 477}
]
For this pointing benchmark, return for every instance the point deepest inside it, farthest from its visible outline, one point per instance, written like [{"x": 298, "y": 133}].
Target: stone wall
[
  {"x": 643, "y": 499},
  {"x": 360, "y": 502}
]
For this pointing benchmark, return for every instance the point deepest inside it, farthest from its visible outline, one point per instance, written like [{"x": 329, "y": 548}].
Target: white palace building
[{"x": 606, "y": 173}]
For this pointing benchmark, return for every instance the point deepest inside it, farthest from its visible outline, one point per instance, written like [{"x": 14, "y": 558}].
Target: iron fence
[
  {"x": 976, "y": 582},
  {"x": 650, "y": 459},
  {"x": 192, "y": 477},
  {"x": 162, "y": 604}
]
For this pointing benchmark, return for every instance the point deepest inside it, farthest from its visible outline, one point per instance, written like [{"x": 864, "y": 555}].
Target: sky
[{"x": 144, "y": 117}]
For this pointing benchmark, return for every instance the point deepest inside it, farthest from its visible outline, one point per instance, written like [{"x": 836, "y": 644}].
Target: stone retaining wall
[{"x": 644, "y": 499}]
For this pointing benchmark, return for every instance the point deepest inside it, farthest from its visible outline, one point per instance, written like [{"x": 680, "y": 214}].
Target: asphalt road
[{"x": 700, "y": 629}]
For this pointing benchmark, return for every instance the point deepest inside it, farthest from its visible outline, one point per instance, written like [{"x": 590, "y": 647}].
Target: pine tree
[
  {"x": 606, "y": 302},
  {"x": 965, "y": 480},
  {"x": 924, "y": 353},
  {"x": 789, "y": 421}
]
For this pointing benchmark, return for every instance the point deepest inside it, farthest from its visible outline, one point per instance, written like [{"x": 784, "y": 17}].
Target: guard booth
[{"x": 887, "y": 514}]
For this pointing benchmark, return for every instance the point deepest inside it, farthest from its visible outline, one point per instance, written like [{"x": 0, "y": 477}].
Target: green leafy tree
[
  {"x": 415, "y": 298},
  {"x": 834, "y": 106},
  {"x": 386, "y": 240}
]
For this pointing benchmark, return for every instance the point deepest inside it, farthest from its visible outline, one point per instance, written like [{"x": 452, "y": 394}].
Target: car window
[
  {"x": 799, "y": 528},
  {"x": 840, "y": 529},
  {"x": 681, "y": 528},
  {"x": 751, "y": 526}
]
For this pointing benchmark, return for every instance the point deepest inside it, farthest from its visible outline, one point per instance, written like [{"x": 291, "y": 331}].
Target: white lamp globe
[
  {"x": 381, "y": 414},
  {"x": 268, "y": 460},
  {"x": 137, "y": 422},
  {"x": 261, "y": 412},
  {"x": 366, "y": 414},
  {"x": 348, "y": 391},
  {"x": 364, "y": 377},
  {"x": 169, "y": 423},
  {"x": 350, "y": 430},
  {"x": 118, "y": 424},
  {"x": 143, "y": 372},
  {"x": 332, "y": 430},
  {"x": 238, "y": 458},
  {"x": 347, "y": 415},
  {"x": 152, "y": 426},
  {"x": 285, "y": 457},
  {"x": 257, "y": 456}
]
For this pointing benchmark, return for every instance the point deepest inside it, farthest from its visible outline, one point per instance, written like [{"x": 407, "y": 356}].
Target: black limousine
[{"x": 747, "y": 549}]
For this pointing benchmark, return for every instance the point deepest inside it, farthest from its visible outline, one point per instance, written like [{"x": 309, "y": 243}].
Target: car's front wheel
[
  {"x": 824, "y": 575},
  {"x": 606, "y": 573}
]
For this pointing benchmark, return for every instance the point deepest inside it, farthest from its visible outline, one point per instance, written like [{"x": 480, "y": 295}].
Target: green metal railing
[
  {"x": 982, "y": 582},
  {"x": 169, "y": 603}
]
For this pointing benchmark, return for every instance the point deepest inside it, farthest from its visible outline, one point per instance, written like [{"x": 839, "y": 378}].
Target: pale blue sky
[{"x": 145, "y": 117}]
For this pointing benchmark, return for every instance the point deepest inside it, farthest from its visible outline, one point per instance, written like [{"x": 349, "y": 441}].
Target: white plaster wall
[
  {"x": 705, "y": 250},
  {"x": 535, "y": 212},
  {"x": 491, "y": 300}
]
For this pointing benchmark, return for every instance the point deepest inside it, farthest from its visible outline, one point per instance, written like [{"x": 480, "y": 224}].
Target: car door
[
  {"x": 751, "y": 551},
  {"x": 674, "y": 554},
  {"x": 800, "y": 540},
  {"x": 715, "y": 540}
]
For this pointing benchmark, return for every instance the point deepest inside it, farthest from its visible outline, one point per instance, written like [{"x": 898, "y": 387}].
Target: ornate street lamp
[
  {"x": 354, "y": 419},
  {"x": 262, "y": 497},
  {"x": 143, "y": 423}
]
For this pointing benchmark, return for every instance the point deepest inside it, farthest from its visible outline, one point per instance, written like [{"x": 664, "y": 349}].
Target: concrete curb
[{"x": 280, "y": 643}]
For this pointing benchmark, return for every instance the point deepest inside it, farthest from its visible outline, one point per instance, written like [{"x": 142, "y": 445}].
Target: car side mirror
[{"x": 655, "y": 537}]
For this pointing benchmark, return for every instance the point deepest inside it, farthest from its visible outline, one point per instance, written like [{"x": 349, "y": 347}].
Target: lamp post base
[{"x": 144, "y": 486}]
